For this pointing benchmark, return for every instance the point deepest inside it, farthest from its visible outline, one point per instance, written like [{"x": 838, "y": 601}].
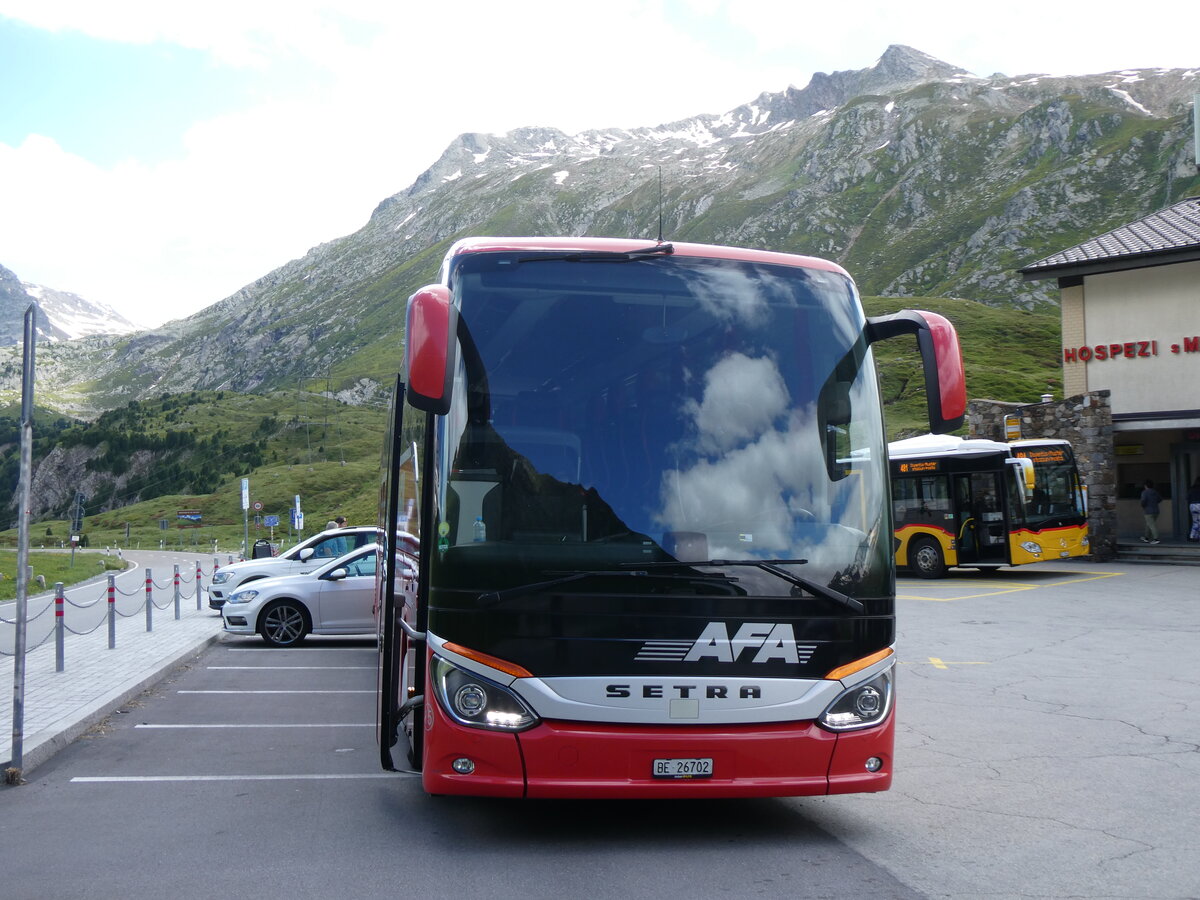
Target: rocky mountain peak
[
  {"x": 61, "y": 316},
  {"x": 905, "y": 65}
]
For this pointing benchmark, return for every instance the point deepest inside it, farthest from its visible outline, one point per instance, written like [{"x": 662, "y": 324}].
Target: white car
[
  {"x": 337, "y": 598},
  {"x": 307, "y": 556}
]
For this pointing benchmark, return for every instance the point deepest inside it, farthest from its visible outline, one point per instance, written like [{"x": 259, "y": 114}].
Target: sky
[{"x": 159, "y": 156}]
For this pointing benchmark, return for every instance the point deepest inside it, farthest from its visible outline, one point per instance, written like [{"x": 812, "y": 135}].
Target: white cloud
[{"x": 363, "y": 95}]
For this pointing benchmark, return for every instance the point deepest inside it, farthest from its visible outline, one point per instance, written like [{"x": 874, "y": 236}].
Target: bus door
[{"x": 982, "y": 535}]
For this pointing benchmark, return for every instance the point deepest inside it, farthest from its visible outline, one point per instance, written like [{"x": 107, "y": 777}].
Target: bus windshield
[
  {"x": 1057, "y": 492},
  {"x": 613, "y": 417}
]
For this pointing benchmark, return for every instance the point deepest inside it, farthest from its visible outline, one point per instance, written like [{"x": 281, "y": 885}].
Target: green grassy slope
[{"x": 1009, "y": 354}]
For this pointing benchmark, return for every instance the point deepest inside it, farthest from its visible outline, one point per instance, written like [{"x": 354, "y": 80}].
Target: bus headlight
[
  {"x": 1032, "y": 547},
  {"x": 472, "y": 700},
  {"x": 862, "y": 706}
]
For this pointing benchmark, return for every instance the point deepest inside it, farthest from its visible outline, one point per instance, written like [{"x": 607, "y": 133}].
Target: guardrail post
[
  {"x": 176, "y": 590},
  {"x": 149, "y": 600},
  {"x": 59, "y": 626},
  {"x": 112, "y": 612},
  {"x": 197, "y": 584}
]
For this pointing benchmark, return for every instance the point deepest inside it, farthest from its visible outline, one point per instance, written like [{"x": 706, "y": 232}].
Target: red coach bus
[{"x": 649, "y": 482}]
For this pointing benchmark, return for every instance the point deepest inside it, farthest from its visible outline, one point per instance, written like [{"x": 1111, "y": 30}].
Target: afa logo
[{"x": 755, "y": 642}]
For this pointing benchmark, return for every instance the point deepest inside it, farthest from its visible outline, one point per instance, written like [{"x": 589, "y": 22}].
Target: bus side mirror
[
  {"x": 429, "y": 342},
  {"x": 945, "y": 383},
  {"x": 1027, "y": 478}
]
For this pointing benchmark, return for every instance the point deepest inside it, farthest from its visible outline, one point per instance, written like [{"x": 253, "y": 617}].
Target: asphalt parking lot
[
  {"x": 1049, "y": 727},
  {"x": 1047, "y": 747}
]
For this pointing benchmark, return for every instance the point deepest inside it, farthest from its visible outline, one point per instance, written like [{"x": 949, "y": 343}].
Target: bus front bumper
[{"x": 588, "y": 760}]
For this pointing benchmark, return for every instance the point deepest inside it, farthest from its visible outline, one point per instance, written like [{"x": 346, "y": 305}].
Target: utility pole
[{"x": 13, "y": 774}]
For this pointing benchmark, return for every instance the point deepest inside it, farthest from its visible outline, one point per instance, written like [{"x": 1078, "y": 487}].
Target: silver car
[
  {"x": 306, "y": 556},
  {"x": 337, "y": 598}
]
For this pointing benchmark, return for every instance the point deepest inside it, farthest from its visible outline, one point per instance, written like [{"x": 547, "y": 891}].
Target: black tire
[
  {"x": 925, "y": 558},
  {"x": 284, "y": 623}
]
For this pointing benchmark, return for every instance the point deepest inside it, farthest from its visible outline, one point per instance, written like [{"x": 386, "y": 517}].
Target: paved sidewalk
[{"x": 60, "y": 706}]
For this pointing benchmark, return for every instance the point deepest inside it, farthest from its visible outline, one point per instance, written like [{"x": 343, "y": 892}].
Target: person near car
[
  {"x": 335, "y": 547},
  {"x": 1193, "y": 499},
  {"x": 1150, "y": 501}
]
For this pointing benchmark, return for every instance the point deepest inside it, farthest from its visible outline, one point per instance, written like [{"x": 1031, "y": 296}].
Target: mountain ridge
[
  {"x": 61, "y": 315},
  {"x": 919, "y": 177}
]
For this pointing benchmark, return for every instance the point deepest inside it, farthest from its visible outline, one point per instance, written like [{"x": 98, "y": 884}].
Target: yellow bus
[{"x": 985, "y": 504}]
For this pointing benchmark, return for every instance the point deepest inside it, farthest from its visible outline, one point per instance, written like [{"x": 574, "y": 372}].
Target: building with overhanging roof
[{"x": 1130, "y": 303}]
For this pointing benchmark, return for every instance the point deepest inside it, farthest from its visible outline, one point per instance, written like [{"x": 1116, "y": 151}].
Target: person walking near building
[
  {"x": 1193, "y": 498},
  {"x": 1150, "y": 500}
]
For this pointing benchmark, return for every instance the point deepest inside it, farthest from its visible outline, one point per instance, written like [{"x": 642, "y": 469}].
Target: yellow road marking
[
  {"x": 1004, "y": 588},
  {"x": 938, "y": 663}
]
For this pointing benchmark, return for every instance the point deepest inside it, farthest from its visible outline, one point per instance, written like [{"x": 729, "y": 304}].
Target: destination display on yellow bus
[
  {"x": 1044, "y": 455},
  {"x": 924, "y": 465}
]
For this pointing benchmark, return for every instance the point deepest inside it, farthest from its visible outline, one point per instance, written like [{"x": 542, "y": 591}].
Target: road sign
[
  {"x": 257, "y": 505},
  {"x": 271, "y": 521}
]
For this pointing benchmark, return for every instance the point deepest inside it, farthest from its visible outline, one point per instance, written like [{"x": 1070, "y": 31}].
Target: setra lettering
[{"x": 682, "y": 691}]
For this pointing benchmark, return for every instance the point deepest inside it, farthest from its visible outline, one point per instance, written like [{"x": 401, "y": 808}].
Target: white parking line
[
  {"x": 269, "y": 725},
  {"x": 141, "y": 779},
  {"x": 291, "y": 650},
  {"x": 287, "y": 668},
  {"x": 274, "y": 692}
]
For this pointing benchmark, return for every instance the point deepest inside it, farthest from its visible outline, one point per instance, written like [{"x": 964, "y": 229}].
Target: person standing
[
  {"x": 1193, "y": 498},
  {"x": 1150, "y": 500}
]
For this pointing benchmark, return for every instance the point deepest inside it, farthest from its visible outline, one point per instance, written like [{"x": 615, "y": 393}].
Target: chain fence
[{"x": 89, "y": 614}]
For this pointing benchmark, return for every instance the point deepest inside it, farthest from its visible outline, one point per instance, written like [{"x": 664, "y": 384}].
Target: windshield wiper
[
  {"x": 494, "y": 598},
  {"x": 772, "y": 566},
  {"x": 601, "y": 255}
]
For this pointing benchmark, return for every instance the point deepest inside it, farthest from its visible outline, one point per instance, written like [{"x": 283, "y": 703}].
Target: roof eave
[{"x": 1148, "y": 260}]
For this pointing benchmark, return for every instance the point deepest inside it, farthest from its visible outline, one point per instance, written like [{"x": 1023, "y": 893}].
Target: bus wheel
[
  {"x": 925, "y": 558},
  {"x": 284, "y": 623}
]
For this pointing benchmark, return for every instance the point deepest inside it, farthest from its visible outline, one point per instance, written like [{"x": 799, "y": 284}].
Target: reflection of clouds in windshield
[
  {"x": 758, "y": 486},
  {"x": 742, "y": 397},
  {"x": 731, "y": 295},
  {"x": 746, "y": 499}
]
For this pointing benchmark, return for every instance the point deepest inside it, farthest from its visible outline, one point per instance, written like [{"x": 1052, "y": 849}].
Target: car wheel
[
  {"x": 284, "y": 623},
  {"x": 925, "y": 558}
]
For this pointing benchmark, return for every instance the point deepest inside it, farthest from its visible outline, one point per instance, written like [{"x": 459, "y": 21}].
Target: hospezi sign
[{"x": 1127, "y": 350}]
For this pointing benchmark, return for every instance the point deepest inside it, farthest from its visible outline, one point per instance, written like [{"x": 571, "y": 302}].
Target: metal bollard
[
  {"x": 176, "y": 591},
  {"x": 197, "y": 584},
  {"x": 59, "y": 626},
  {"x": 149, "y": 601},
  {"x": 112, "y": 612}
]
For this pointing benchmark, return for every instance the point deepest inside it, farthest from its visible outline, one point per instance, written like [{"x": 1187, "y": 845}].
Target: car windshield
[{"x": 661, "y": 409}]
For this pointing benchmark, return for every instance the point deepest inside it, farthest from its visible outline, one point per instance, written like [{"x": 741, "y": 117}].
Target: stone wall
[{"x": 1086, "y": 421}]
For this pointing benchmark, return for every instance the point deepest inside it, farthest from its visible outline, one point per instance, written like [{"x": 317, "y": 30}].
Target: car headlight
[
  {"x": 221, "y": 577},
  {"x": 862, "y": 706},
  {"x": 243, "y": 596},
  {"x": 1032, "y": 547},
  {"x": 475, "y": 701}
]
